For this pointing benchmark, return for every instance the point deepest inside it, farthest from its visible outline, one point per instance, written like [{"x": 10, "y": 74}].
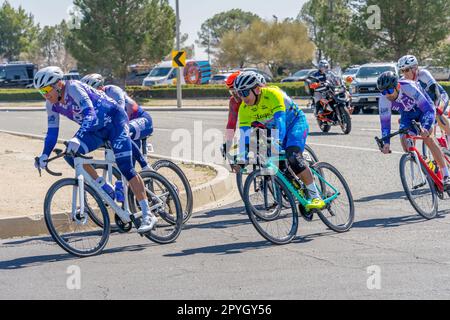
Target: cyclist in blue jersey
[
  {"x": 414, "y": 104},
  {"x": 409, "y": 66},
  {"x": 101, "y": 119},
  {"x": 141, "y": 123}
]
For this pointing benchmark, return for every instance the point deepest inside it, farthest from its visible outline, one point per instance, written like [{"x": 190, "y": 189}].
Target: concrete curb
[{"x": 207, "y": 195}]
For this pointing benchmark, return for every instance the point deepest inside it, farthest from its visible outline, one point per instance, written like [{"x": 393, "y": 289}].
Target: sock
[
  {"x": 445, "y": 171},
  {"x": 313, "y": 192},
  {"x": 145, "y": 208}
]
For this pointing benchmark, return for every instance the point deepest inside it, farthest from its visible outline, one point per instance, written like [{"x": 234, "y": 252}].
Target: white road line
[{"x": 349, "y": 148}]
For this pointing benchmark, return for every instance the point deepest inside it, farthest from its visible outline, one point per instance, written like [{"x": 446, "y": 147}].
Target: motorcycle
[{"x": 335, "y": 103}]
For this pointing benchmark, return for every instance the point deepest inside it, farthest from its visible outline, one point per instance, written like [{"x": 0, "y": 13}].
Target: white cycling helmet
[
  {"x": 323, "y": 64},
  {"x": 261, "y": 79},
  {"x": 407, "y": 62},
  {"x": 94, "y": 80},
  {"x": 246, "y": 81},
  {"x": 47, "y": 77}
]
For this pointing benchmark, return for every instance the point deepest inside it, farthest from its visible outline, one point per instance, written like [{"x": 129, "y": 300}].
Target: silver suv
[{"x": 363, "y": 89}]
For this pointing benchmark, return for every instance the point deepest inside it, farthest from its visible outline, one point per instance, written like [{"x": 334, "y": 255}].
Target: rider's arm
[
  {"x": 431, "y": 84},
  {"x": 81, "y": 98},
  {"x": 232, "y": 120},
  {"x": 384, "y": 105},
  {"x": 117, "y": 94},
  {"x": 280, "y": 125},
  {"x": 53, "y": 130},
  {"x": 423, "y": 102}
]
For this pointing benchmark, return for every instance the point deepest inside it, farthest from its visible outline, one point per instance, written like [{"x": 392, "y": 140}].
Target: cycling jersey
[
  {"x": 100, "y": 119},
  {"x": 412, "y": 100},
  {"x": 123, "y": 99},
  {"x": 275, "y": 110},
  {"x": 436, "y": 92}
]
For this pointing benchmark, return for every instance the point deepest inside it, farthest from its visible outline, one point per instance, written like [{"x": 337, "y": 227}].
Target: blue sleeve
[
  {"x": 118, "y": 95},
  {"x": 280, "y": 124},
  {"x": 244, "y": 141},
  {"x": 81, "y": 98},
  {"x": 50, "y": 140}
]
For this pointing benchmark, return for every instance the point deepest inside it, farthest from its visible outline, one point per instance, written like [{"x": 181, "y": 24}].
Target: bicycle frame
[
  {"x": 270, "y": 168},
  {"x": 83, "y": 177},
  {"x": 437, "y": 178}
]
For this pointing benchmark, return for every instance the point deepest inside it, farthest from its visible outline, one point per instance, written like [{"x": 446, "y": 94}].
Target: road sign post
[{"x": 179, "y": 69}]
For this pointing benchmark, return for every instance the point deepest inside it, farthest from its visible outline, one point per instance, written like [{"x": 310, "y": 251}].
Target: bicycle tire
[
  {"x": 54, "y": 233},
  {"x": 320, "y": 167},
  {"x": 254, "y": 218},
  {"x": 187, "y": 209},
  {"x": 434, "y": 208}
]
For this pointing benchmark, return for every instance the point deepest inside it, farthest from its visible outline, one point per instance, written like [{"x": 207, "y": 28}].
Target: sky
[{"x": 192, "y": 12}]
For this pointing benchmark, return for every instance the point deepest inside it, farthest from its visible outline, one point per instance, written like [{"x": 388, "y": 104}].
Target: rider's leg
[
  {"x": 140, "y": 128},
  {"x": 438, "y": 156}
]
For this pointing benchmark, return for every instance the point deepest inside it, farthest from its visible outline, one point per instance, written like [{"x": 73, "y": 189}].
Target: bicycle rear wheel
[
  {"x": 179, "y": 181},
  {"x": 266, "y": 211},
  {"x": 165, "y": 205},
  {"x": 77, "y": 233},
  {"x": 418, "y": 186},
  {"x": 339, "y": 214}
]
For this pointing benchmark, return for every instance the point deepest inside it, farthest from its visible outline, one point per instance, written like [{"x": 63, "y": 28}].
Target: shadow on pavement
[
  {"x": 238, "y": 212},
  {"x": 398, "y": 195},
  {"x": 324, "y": 134},
  {"x": 395, "y": 222}
]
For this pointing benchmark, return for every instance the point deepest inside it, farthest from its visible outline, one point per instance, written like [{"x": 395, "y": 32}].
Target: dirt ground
[{"x": 22, "y": 191}]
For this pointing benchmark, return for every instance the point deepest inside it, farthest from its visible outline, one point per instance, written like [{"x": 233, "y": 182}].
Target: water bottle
[
  {"x": 120, "y": 197},
  {"x": 106, "y": 187}
]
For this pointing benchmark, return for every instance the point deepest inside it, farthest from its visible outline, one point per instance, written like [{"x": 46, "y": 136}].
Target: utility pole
[{"x": 179, "y": 70}]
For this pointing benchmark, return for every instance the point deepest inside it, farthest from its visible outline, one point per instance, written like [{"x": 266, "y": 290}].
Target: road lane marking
[{"x": 349, "y": 148}]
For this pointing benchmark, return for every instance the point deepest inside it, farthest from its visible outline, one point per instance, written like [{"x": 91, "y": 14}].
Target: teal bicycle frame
[{"x": 269, "y": 167}]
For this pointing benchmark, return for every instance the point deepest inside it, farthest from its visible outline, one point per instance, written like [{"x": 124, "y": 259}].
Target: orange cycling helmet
[{"x": 231, "y": 78}]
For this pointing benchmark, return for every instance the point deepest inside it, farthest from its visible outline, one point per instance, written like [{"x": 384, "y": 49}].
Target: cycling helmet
[
  {"x": 387, "y": 80},
  {"x": 246, "y": 81},
  {"x": 47, "y": 77},
  {"x": 94, "y": 80},
  {"x": 261, "y": 79},
  {"x": 230, "y": 80},
  {"x": 407, "y": 62},
  {"x": 323, "y": 64}
]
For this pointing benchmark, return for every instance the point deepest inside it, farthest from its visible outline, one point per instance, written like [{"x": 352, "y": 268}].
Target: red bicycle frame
[{"x": 437, "y": 178}]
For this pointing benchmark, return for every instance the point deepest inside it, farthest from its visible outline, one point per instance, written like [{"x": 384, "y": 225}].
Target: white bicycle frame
[{"x": 83, "y": 177}]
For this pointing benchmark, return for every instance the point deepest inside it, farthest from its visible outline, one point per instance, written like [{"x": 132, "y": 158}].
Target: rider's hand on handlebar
[
  {"x": 425, "y": 133},
  {"x": 41, "y": 162},
  {"x": 386, "y": 149},
  {"x": 73, "y": 145}
]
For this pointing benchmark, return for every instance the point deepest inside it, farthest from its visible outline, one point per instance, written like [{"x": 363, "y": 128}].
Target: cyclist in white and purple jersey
[
  {"x": 141, "y": 123},
  {"x": 408, "y": 98},
  {"x": 409, "y": 66},
  {"x": 100, "y": 119}
]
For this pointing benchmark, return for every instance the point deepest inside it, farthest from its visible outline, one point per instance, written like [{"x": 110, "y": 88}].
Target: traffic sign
[{"x": 178, "y": 59}]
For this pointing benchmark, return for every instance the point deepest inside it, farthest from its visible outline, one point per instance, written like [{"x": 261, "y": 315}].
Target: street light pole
[{"x": 179, "y": 70}]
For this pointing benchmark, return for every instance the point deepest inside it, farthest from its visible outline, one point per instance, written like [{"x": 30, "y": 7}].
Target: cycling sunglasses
[
  {"x": 45, "y": 90},
  {"x": 406, "y": 70},
  {"x": 388, "y": 91},
  {"x": 244, "y": 93}
]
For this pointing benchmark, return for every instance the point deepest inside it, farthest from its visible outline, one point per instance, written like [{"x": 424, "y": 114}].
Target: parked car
[
  {"x": 440, "y": 73},
  {"x": 220, "y": 78},
  {"x": 17, "y": 74},
  {"x": 363, "y": 89},
  {"x": 266, "y": 76},
  {"x": 350, "y": 72},
  {"x": 195, "y": 72},
  {"x": 299, "y": 76}
]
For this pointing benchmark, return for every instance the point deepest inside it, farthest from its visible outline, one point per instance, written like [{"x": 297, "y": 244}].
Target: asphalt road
[{"x": 220, "y": 255}]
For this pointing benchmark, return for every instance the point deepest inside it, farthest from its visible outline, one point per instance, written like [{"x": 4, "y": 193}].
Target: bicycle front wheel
[
  {"x": 418, "y": 186},
  {"x": 263, "y": 198},
  {"x": 82, "y": 234},
  {"x": 339, "y": 214}
]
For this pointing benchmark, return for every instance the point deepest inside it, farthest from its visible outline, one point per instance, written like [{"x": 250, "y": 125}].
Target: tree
[
  {"x": 213, "y": 29},
  {"x": 17, "y": 31},
  {"x": 407, "y": 27},
  {"x": 272, "y": 44},
  {"x": 161, "y": 26},
  {"x": 328, "y": 22}
]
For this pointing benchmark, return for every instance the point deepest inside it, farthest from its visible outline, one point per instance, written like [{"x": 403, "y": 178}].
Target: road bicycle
[{"x": 77, "y": 210}]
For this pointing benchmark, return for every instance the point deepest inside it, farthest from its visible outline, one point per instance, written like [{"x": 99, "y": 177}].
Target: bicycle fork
[
  {"x": 423, "y": 181},
  {"x": 78, "y": 215}
]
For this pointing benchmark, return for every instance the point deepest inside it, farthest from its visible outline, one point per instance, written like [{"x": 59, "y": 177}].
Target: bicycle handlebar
[
  {"x": 60, "y": 154},
  {"x": 415, "y": 125}
]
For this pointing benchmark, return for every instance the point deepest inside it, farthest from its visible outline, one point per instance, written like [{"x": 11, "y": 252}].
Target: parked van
[
  {"x": 195, "y": 72},
  {"x": 17, "y": 74}
]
